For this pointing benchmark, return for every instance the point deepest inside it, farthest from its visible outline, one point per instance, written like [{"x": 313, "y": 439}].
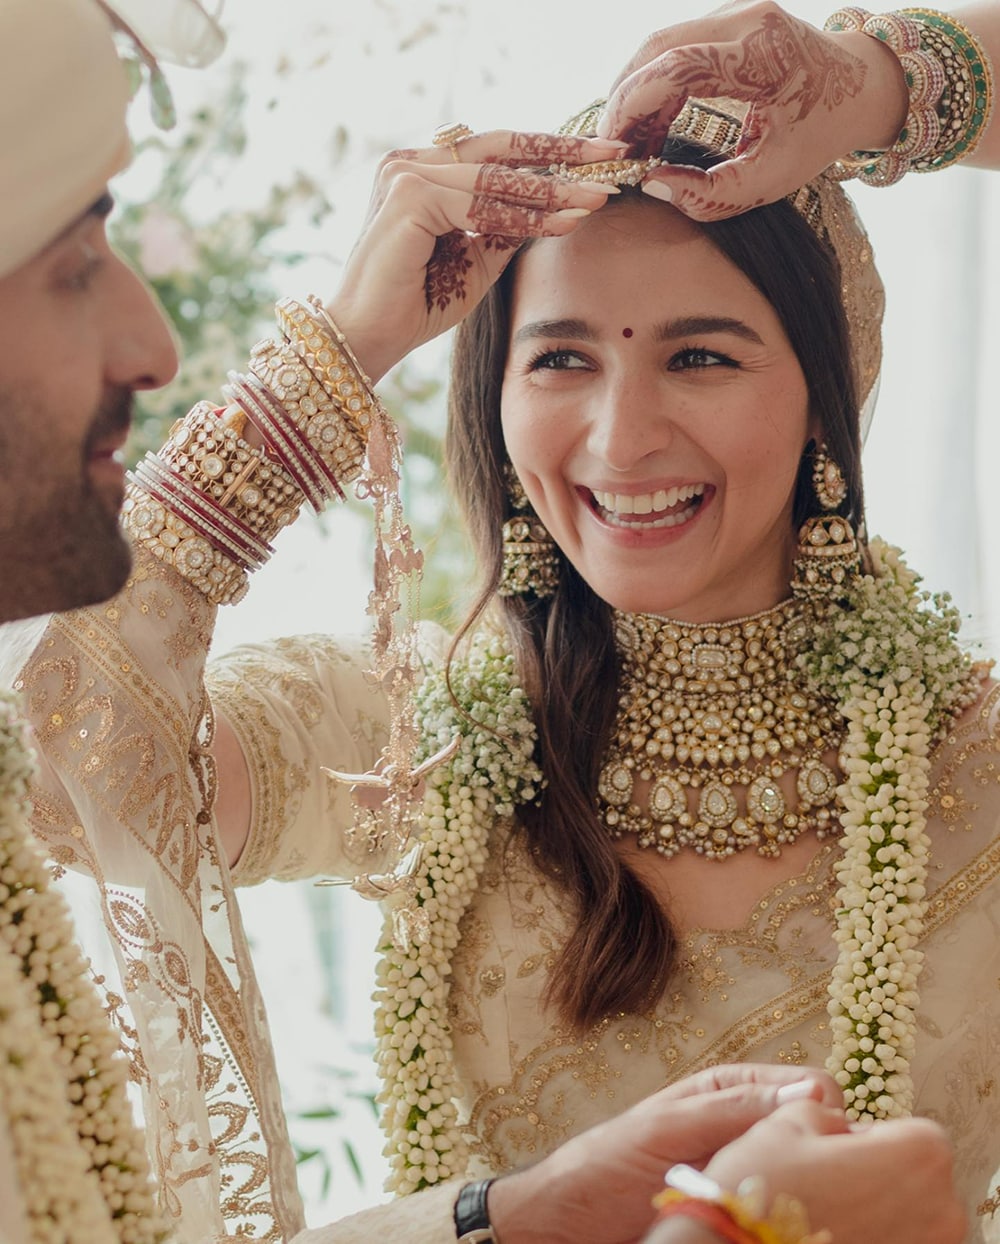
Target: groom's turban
[{"x": 63, "y": 95}]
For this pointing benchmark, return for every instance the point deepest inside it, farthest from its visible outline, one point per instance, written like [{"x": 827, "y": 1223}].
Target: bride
[{"x": 705, "y": 778}]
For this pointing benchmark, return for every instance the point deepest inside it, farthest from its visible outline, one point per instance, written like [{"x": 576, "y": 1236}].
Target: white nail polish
[
  {"x": 801, "y": 1090},
  {"x": 658, "y": 190},
  {"x": 573, "y": 213}
]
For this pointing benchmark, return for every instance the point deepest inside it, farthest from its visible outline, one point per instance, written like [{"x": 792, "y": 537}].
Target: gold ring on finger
[{"x": 450, "y": 136}]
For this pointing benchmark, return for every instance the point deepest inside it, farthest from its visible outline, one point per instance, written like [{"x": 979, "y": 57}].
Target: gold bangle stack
[
  {"x": 324, "y": 349},
  {"x": 243, "y": 481},
  {"x": 208, "y": 503},
  {"x": 335, "y": 439},
  {"x": 222, "y": 580}
]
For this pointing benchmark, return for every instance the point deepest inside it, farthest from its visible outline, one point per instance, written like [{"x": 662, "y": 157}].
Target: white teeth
[{"x": 647, "y": 502}]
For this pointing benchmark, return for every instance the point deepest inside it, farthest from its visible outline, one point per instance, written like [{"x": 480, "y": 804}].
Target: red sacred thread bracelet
[{"x": 673, "y": 1204}]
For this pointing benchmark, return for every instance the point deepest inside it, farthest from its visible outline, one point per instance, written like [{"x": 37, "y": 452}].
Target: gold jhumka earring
[
  {"x": 828, "y": 479},
  {"x": 530, "y": 562},
  {"x": 828, "y": 553}
]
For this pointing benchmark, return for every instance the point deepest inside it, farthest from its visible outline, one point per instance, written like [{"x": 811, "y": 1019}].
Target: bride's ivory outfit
[
  {"x": 117, "y": 693},
  {"x": 123, "y": 709}
]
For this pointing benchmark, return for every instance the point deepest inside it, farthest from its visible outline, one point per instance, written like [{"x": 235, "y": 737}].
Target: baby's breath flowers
[
  {"x": 81, "y": 1162},
  {"x": 491, "y": 773},
  {"x": 891, "y": 658}
]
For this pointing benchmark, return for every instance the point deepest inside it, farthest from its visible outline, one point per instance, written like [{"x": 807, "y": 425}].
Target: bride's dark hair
[{"x": 621, "y": 949}]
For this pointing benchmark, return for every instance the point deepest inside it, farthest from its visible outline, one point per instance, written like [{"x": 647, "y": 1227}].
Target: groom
[{"x": 82, "y": 335}]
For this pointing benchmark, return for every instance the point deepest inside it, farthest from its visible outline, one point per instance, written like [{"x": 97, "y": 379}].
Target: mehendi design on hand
[
  {"x": 508, "y": 219},
  {"x": 499, "y": 243},
  {"x": 780, "y": 53},
  {"x": 782, "y": 63},
  {"x": 645, "y": 134},
  {"x": 699, "y": 207},
  {"x": 521, "y": 189},
  {"x": 544, "y": 149},
  {"x": 444, "y": 281},
  {"x": 751, "y": 132}
]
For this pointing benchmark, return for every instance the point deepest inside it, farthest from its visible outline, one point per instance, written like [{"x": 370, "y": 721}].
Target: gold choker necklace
[{"x": 711, "y": 716}]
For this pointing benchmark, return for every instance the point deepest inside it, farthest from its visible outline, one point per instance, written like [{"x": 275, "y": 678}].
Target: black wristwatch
[{"x": 472, "y": 1217}]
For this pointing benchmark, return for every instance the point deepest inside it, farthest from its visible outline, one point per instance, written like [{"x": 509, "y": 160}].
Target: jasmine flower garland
[
  {"x": 890, "y": 656},
  {"x": 491, "y": 773},
  {"x": 81, "y": 1162}
]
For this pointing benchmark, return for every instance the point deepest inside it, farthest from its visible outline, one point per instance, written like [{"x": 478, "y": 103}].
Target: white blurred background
[{"x": 332, "y": 85}]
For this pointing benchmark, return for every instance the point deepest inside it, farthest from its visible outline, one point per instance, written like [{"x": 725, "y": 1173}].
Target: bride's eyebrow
[
  {"x": 670, "y": 330},
  {"x": 578, "y": 329},
  {"x": 696, "y": 325}
]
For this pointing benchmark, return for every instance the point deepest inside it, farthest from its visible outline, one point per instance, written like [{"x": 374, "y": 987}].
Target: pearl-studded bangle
[
  {"x": 950, "y": 83},
  {"x": 925, "y": 81}
]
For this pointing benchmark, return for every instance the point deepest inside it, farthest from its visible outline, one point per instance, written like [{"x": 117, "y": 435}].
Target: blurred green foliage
[{"x": 318, "y": 1156}]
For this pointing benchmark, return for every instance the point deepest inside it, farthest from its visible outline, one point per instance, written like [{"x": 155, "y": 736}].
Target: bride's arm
[
  {"x": 442, "y": 224},
  {"x": 118, "y": 694}
]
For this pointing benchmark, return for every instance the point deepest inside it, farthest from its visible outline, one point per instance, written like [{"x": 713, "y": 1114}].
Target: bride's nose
[{"x": 630, "y": 419}]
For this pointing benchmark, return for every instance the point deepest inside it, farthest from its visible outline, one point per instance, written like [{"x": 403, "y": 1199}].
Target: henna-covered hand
[
  {"x": 447, "y": 269},
  {"x": 811, "y": 97},
  {"x": 439, "y": 233}
]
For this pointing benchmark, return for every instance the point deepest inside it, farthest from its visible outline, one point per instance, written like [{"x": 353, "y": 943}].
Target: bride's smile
[{"x": 656, "y": 414}]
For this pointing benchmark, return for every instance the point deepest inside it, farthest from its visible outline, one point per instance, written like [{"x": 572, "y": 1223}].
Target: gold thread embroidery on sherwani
[{"x": 123, "y": 750}]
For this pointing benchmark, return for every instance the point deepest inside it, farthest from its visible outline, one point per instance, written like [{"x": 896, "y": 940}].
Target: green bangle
[{"x": 967, "y": 103}]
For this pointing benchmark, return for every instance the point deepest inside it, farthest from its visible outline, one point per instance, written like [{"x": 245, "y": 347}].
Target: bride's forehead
[
  {"x": 636, "y": 227},
  {"x": 637, "y": 244}
]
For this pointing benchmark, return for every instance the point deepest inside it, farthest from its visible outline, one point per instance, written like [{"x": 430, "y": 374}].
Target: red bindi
[{"x": 626, "y": 332}]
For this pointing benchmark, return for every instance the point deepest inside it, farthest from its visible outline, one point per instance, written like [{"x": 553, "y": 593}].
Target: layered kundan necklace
[{"x": 710, "y": 719}]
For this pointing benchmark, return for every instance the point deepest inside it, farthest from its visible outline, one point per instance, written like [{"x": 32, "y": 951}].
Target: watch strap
[{"x": 472, "y": 1215}]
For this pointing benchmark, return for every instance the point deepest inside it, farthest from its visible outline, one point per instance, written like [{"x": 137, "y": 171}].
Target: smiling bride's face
[{"x": 656, "y": 415}]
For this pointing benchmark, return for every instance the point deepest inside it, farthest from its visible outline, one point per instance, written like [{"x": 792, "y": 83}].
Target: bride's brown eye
[
  {"x": 556, "y": 360},
  {"x": 698, "y": 356}
]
